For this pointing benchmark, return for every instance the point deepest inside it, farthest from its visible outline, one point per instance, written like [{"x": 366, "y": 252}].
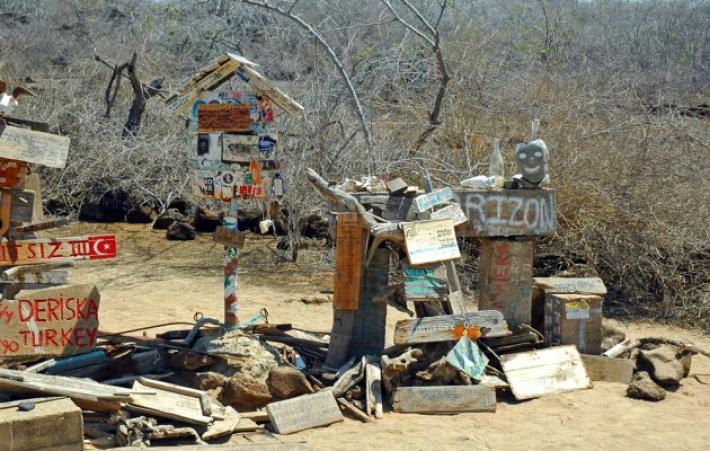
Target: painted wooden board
[
  {"x": 425, "y": 282},
  {"x": 37, "y": 429},
  {"x": 574, "y": 319},
  {"x": 373, "y": 388},
  {"x": 506, "y": 278},
  {"x": 603, "y": 368},
  {"x": 168, "y": 404},
  {"x": 23, "y": 206},
  {"x": 371, "y": 317},
  {"x": 433, "y": 329},
  {"x": 304, "y": 412},
  {"x": 223, "y": 118},
  {"x": 453, "y": 212},
  {"x": 341, "y": 336},
  {"x": 251, "y": 76},
  {"x": 397, "y": 186},
  {"x": 590, "y": 285},
  {"x": 188, "y": 92},
  {"x": 349, "y": 250},
  {"x": 30, "y": 146},
  {"x": 444, "y": 399},
  {"x": 61, "y": 320},
  {"x": 30, "y": 252},
  {"x": 48, "y": 277},
  {"x": 75, "y": 388},
  {"x": 430, "y": 200},
  {"x": 228, "y": 237},
  {"x": 513, "y": 212},
  {"x": 545, "y": 372},
  {"x": 430, "y": 241},
  {"x": 39, "y": 226},
  {"x": 10, "y": 172}
]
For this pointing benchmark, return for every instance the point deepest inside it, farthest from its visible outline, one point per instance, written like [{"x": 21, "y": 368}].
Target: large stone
[
  {"x": 247, "y": 355},
  {"x": 110, "y": 205},
  {"x": 141, "y": 215},
  {"x": 168, "y": 217},
  {"x": 191, "y": 361},
  {"x": 611, "y": 336},
  {"x": 206, "y": 220},
  {"x": 643, "y": 387},
  {"x": 286, "y": 382},
  {"x": 208, "y": 381},
  {"x": 181, "y": 231},
  {"x": 665, "y": 364},
  {"x": 245, "y": 393}
]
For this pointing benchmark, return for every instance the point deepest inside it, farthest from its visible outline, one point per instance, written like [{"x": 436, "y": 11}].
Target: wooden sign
[
  {"x": 574, "y": 319},
  {"x": 603, "y": 368},
  {"x": 425, "y": 282},
  {"x": 433, "y": 329},
  {"x": 430, "y": 241},
  {"x": 545, "y": 372},
  {"x": 228, "y": 237},
  {"x": 430, "y": 200},
  {"x": 444, "y": 399},
  {"x": 182, "y": 406},
  {"x": 223, "y": 118},
  {"x": 23, "y": 206},
  {"x": 453, "y": 212},
  {"x": 55, "y": 321},
  {"x": 349, "y": 252},
  {"x": 10, "y": 172},
  {"x": 30, "y": 252},
  {"x": 249, "y": 75},
  {"x": 240, "y": 148},
  {"x": 506, "y": 278},
  {"x": 34, "y": 147},
  {"x": 304, "y": 412},
  {"x": 590, "y": 285},
  {"x": 512, "y": 212},
  {"x": 210, "y": 77}
]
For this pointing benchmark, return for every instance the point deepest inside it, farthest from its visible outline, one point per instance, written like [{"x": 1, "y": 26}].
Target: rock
[
  {"x": 611, "y": 336},
  {"x": 285, "y": 382},
  {"x": 208, "y": 381},
  {"x": 186, "y": 360},
  {"x": 180, "y": 231},
  {"x": 168, "y": 217},
  {"x": 110, "y": 205},
  {"x": 245, "y": 393},
  {"x": 186, "y": 208},
  {"x": 248, "y": 355},
  {"x": 665, "y": 364},
  {"x": 643, "y": 387},
  {"x": 141, "y": 215},
  {"x": 206, "y": 220}
]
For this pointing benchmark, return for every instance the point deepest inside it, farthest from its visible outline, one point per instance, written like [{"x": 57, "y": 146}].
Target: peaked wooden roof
[{"x": 219, "y": 71}]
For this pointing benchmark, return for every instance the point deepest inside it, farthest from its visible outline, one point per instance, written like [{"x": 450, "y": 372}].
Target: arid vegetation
[{"x": 621, "y": 88}]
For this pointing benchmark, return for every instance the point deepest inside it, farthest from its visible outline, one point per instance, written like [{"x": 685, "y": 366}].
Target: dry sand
[{"x": 155, "y": 280}]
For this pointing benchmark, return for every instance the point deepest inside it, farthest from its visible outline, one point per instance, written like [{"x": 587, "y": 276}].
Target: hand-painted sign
[
  {"x": 34, "y": 147},
  {"x": 55, "y": 321},
  {"x": 453, "y": 212},
  {"x": 430, "y": 241},
  {"x": 10, "y": 172},
  {"x": 430, "y": 200},
  {"x": 425, "y": 282},
  {"x": 30, "y": 252}
]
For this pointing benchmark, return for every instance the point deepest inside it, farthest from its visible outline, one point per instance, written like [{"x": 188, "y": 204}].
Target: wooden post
[
  {"x": 231, "y": 263},
  {"x": 506, "y": 278},
  {"x": 370, "y": 317}
]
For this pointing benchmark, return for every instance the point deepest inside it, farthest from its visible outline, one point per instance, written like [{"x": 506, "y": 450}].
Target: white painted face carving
[{"x": 531, "y": 159}]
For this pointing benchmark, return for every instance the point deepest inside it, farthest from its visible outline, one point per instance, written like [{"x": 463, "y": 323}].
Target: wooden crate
[{"x": 574, "y": 319}]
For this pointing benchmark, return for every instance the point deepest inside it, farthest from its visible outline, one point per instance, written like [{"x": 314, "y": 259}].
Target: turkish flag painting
[{"x": 103, "y": 246}]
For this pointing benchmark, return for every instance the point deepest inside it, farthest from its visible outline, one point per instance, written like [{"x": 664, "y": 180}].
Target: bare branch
[{"x": 409, "y": 26}]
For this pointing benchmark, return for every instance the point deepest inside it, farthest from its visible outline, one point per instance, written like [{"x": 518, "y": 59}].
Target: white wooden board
[
  {"x": 545, "y": 372},
  {"x": 453, "y": 212},
  {"x": 304, "y": 412},
  {"x": 34, "y": 147},
  {"x": 430, "y": 241},
  {"x": 444, "y": 399},
  {"x": 169, "y": 404}
]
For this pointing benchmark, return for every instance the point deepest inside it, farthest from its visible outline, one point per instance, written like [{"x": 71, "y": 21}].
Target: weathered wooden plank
[
  {"x": 341, "y": 336},
  {"x": 53, "y": 321},
  {"x": 545, "y": 372},
  {"x": 574, "y": 319},
  {"x": 430, "y": 200},
  {"x": 51, "y": 425},
  {"x": 39, "y": 226},
  {"x": 304, "y": 412},
  {"x": 229, "y": 237},
  {"x": 44, "y": 277},
  {"x": 589, "y": 285},
  {"x": 223, "y": 118},
  {"x": 34, "y": 147},
  {"x": 23, "y": 206},
  {"x": 397, "y": 186},
  {"x": 486, "y": 323},
  {"x": 430, "y": 241},
  {"x": 349, "y": 251},
  {"x": 371, "y": 317},
  {"x": 603, "y": 368},
  {"x": 186, "y": 94},
  {"x": 261, "y": 83},
  {"x": 519, "y": 212},
  {"x": 506, "y": 278},
  {"x": 168, "y": 404},
  {"x": 295, "y": 446},
  {"x": 222, "y": 428},
  {"x": 77, "y": 389},
  {"x": 425, "y": 282},
  {"x": 373, "y": 388},
  {"x": 444, "y": 399},
  {"x": 453, "y": 212},
  {"x": 30, "y": 252},
  {"x": 354, "y": 411}
]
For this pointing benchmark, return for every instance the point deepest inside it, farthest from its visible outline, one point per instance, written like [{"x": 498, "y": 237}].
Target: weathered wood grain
[
  {"x": 444, "y": 399},
  {"x": 506, "y": 278},
  {"x": 373, "y": 388},
  {"x": 518, "y": 212},
  {"x": 341, "y": 336},
  {"x": 589, "y": 285},
  {"x": 603, "y": 368},
  {"x": 430, "y": 241},
  {"x": 23, "y": 206},
  {"x": 36, "y": 147},
  {"x": 304, "y": 412},
  {"x": 52, "y": 425},
  {"x": 349, "y": 256},
  {"x": 168, "y": 404},
  {"x": 545, "y": 372},
  {"x": 486, "y": 323},
  {"x": 223, "y": 118},
  {"x": 574, "y": 319},
  {"x": 371, "y": 317}
]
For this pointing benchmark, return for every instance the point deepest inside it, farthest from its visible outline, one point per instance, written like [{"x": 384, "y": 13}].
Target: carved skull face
[{"x": 531, "y": 159}]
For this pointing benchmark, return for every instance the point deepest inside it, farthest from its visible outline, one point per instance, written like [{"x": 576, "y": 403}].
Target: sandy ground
[{"x": 155, "y": 280}]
